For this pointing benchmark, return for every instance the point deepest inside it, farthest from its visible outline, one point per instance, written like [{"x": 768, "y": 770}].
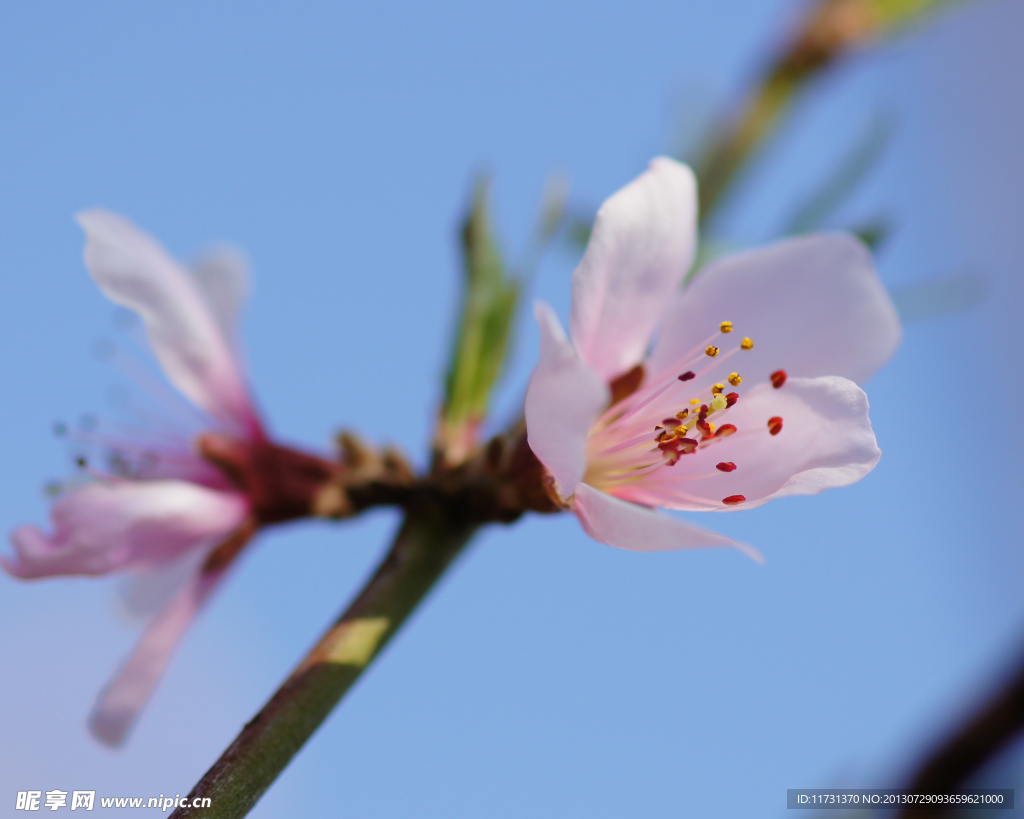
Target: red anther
[
  {"x": 731, "y": 399},
  {"x": 687, "y": 445},
  {"x": 704, "y": 427},
  {"x": 778, "y": 378},
  {"x": 671, "y": 458},
  {"x": 775, "y": 425},
  {"x": 732, "y": 500},
  {"x": 671, "y": 423},
  {"x": 687, "y": 376},
  {"x": 725, "y": 430},
  {"x": 725, "y": 466},
  {"x": 664, "y": 444}
]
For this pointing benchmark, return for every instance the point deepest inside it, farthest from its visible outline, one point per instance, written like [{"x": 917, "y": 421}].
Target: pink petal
[
  {"x": 641, "y": 248},
  {"x": 143, "y": 593},
  {"x": 119, "y": 704},
  {"x": 639, "y": 529},
  {"x": 826, "y": 441},
  {"x": 222, "y": 276},
  {"x": 562, "y": 401},
  {"x": 133, "y": 270},
  {"x": 124, "y": 525},
  {"x": 813, "y": 306}
]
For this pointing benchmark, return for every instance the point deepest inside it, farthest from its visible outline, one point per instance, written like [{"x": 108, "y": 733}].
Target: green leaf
[
  {"x": 844, "y": 180},
  {"x": 489, "y": 302},
  {"x": 939, "y": 296},
  {"x": 875, "y": 233}
]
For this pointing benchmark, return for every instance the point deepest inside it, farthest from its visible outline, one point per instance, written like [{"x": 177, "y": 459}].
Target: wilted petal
[
  {"x": 641, "y": 247},
  {"x": 826, "y": 441},
  {"x": 133, "y": 270},
  {"x": 122, "y": 525},
  {"x": 562, "y": 401},
  {"x": 813, "y": 306},
  {"x": 119, "y": 704},
  {"x": 628, "y": 526},
  {"x": 222, "y": 274}
]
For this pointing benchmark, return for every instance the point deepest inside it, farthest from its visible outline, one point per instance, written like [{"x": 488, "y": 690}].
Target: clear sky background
[{"x": 548, "y": 676}]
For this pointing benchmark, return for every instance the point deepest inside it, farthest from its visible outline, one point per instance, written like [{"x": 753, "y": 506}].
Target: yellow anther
[
  {"x": 747, "y": 344},
  {"x": 694, "y": 401},
  {"x": 682, "y": 414},
  {"x": 718, "y": 403},
  {"x": 735, "y": 379},
  {"x": 718, "y": 388},
  {"x": 725, "y": 326},
  {"x": 711, "y": 351}
]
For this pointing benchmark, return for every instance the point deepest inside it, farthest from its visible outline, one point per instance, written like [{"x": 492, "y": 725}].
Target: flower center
[{"x": 655, "y": 427}]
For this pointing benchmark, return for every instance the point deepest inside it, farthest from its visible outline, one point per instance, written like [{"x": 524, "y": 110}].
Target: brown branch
[{"x": 976, "y": 741}]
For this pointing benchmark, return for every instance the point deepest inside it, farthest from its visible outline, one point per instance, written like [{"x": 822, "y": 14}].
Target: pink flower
[
  {"x": 747, "y": 394},
  {"x": 170, "y": 496}
]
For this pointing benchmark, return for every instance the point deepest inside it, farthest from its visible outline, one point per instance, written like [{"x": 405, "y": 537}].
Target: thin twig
[{"x": 429, "y": 540}]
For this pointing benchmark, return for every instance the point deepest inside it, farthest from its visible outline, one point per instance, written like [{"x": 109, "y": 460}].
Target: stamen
[
  {"x": 718, "y": 389},
  {"x": 687, "y": 445},
  {"x": 735, "y": 379},
  {"x": 694, "y": 401},
  {"x": 711, "y": 351},
  {"x": 711, "y": 430},
  {"x": 732, "y": 500},
  {"x": 731, "y": 398},
  {"x": 688, "y": 376},
  {"x": 775, "y": 425},
  {"x": 778, "y": 378},
  {"x": 725, "y": 430},
  {"x": 725, "y": 466},
  {"x": 681, "y": 446},
  {"x": 671, "y": 423},
  {"x": 682, "y": 414},
  {"x": 747, "y": 344},
  {"x": 725, "y": 326}
]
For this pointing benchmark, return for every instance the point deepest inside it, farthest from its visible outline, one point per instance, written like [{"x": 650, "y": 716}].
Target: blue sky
[{"x": 548, "y": 675}]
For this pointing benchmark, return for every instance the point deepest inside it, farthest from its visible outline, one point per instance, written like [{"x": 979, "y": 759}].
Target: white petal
[
  {"x": 642, "y": 245},
  {"x": 144, "y": 593},
  {"x": 115, "y": 526},
  {"x": 133, "y": 270},
  {"x": 222, "y": 274},
  {"x": 119, "y": 704},
  {"x": 562, "y": 402},
  {"x": 639, "y": 529},
  {"x": 826, "y": 441},
  {"x": 813, "y": 306}
]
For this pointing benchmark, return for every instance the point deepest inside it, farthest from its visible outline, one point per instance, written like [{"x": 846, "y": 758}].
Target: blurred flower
[
  {"x": 622, "y": 430},
  {"x": 171, "y": 497}
]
